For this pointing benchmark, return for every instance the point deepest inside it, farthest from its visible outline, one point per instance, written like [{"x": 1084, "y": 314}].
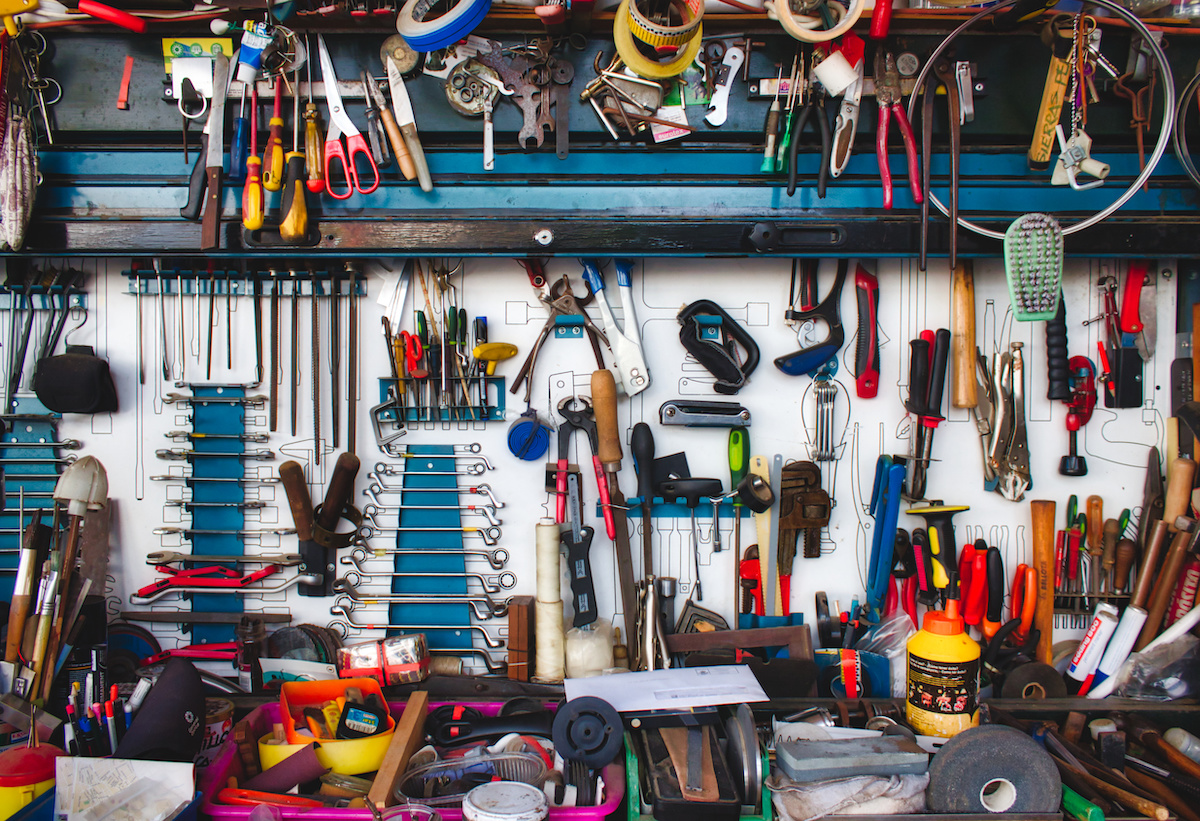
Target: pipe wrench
[{"x": 633, "y": 375}]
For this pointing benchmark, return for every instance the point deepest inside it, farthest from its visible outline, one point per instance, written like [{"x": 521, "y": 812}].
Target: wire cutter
[
  {"x": 813, "y": 105},
  {"x": 626, "y": 341},
  {"x": 890, "y": 98}
]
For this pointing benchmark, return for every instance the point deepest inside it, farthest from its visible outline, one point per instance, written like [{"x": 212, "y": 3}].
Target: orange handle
[{"x": 1042, "y": 515}]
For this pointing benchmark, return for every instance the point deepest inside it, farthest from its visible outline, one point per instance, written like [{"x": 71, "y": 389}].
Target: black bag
[{"x": 77, "y": 381}]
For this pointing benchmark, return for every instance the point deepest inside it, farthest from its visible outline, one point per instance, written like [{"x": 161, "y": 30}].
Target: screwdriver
[
  {"x": 739, "y": 466},
  {"x": 314, "y": 148},
  {"x": 237, "y": 149},
  {"x": 772, "y": 129},
  {"x": 273, "y": 155},
  {"x": 294, "y": 224},
  {"x": 252, "y": 192}
]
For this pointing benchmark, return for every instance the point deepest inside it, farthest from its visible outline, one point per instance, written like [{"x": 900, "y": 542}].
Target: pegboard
[{"x": 753, "y": 291}]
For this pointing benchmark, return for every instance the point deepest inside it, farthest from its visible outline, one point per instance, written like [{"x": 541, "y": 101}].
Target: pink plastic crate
[{"x": 228, "y": 763}]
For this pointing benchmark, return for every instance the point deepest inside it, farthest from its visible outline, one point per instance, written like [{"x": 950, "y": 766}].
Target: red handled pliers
[{"x": 890, "y": 98}]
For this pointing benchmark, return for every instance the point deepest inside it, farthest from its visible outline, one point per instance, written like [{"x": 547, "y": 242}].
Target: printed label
[{"x": 944, "y": 687}]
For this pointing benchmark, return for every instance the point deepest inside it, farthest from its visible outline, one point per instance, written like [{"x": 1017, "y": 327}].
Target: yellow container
[
  {"x": 25, "y": 773},
  {"x": 350, "y": 756},
  {"x": 942, "y": 697}
]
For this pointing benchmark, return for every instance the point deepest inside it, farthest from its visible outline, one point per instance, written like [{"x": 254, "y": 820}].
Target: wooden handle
[
  {"x": 1126, "y": 553},
  {"x": 291, "y": 475},
  {"x": 1042, "y": 514},
  {"x": 1164, "y": 794},
  {"x": 403, "y": 158},
  {"x": 1163, "y": 587},
  {"x": 210, "y": 225},
  {"x": 604, "y": 404},
  {"x": 1143, "y": 806},
  {"x": 17, "y": 614},
  {"x": 1112, "y": 535},
  {"x": 1095, "y": 523},
  {"x": 341, "y": 486},
  {"x": 1154, "y": 548},
  {"x": 963, "y": 388},
  {"x": 1179, "y": 490}
]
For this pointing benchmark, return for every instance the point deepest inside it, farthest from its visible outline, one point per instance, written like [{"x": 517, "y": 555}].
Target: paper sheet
[
  {"x": 680, "y": 688},
  {"x": 82, "y": 784}
]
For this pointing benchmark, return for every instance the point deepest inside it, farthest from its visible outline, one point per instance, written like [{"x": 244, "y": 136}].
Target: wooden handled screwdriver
[
  {"x": 1042, "y": 513},
  {"x": 1179, "y": 490}
]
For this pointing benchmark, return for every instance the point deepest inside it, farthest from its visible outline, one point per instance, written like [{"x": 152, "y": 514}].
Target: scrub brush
[{"x": 1033, "y": 263}]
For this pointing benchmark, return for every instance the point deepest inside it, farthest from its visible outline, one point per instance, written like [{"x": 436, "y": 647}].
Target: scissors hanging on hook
[{"x": 340, "y": 123}]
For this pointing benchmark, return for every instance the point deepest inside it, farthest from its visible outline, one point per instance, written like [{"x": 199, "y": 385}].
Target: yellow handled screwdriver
[
  {"x": 294, "y": 224},
  {"x": 252, "y": 192},
  {"x": 314, "y": 146},
  {"x": 272, "y": 175}
]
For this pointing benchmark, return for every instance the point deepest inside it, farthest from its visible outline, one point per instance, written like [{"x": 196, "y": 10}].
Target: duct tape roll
[
  {"x": 992, "y": 769},
  {"x": 451, "y": 27},
  {"x": 642, "y": 65},
  {"x": 551, "y": 641},
  {"x": 658, "y": 35},
  {"x": 1034, "y": 681},
  {"x": 797, "y": 26},
  {"x": 835, "y": 73},
  {"x": 549, "y": 581}
]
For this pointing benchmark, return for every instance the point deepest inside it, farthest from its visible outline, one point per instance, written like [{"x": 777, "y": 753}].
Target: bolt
[{"x": 544, "y": 237}]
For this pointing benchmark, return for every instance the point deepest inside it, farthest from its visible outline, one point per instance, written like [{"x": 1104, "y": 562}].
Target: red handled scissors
[{"x": 340, "y": 123}]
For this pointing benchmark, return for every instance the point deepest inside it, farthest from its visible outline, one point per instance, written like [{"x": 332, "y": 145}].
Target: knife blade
[
  {"x": 402, "y": 107},
  {"x": 215, "y": 156}
]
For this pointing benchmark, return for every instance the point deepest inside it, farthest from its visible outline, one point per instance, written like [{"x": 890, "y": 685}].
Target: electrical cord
[
  {"x": 1181, "y": 143},
  {"x": 1164, "y": 136}
]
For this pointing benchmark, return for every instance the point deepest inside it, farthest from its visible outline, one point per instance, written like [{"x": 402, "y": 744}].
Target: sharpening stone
[{"x": 844, "y": 758}]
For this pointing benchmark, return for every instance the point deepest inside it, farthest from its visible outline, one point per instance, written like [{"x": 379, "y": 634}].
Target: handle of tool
[
  {"x": 866, "y": 356},
  {"x": 1041, "y": 149},
  {"x": 1111, "y": 535},
  {"x": 418, "y": 156},
  {"x": 978, "y": 593},
  {"x": 995, "y": 585},
  {"x": 1042, "y": 520},
  {"x": 772, "y": 134},
  {"x": 314, "y": 151},
  {"x": 1079, "y": 807},
  {"x": 604, "y": 405},
  {"x": 1126, "y": 553},
  {"x": 610, "y": 523},
  {"x": 937, "y": 372},
  {"x": 291, "y": 476},
  {"x": 918, "y": 377},
  {"x": 1180, "y": 477},
  {"x": 238, "y": 148},
  {"x": 1130, "y": 316},
  {"x": 17, "y": 615},
  {"x": 963, "y": 387},
  {"x": 583, "y": 589},
  {"x": 1058, "y": 371},
  {"x": 881, "y": 20},
  {"x": 273, "y": 153},
  {"x": 1163, "y": 587},
  {"x": 196, "y": 183},
  {"x": 253, "y": 209},
  {"x": 739, "y": 457},
  {"x": 407, "y": 167},
  {"x": 1155, "y": 543},
  {"x": 210, "y": 227},
  {"x": 642, "y": 446},
  {"x": 1095, "y": 523},
  {"x": 294, "y": 225},
  {"x": 341, "y": 487}
]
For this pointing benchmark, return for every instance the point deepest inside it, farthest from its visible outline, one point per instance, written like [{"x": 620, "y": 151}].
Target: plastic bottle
[{"x": 943, "y": 673}]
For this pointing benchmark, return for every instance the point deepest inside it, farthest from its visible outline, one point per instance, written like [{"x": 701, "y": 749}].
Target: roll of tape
[
  {"x": 551, "y": 641},
  {"x": 642, "y": 65},
  {"x": 658, "y": 35},
  {"x": 451, "y": 27},
  {"x": 993, "y": 769},
  {"x": 1034, "y": 681},
  {"x": 797, "y": 26},
  {"x": 835, "y": 73},
  {"x": 549, "y": 583}
]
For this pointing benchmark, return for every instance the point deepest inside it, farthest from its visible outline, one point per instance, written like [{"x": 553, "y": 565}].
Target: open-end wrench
[{"x": 497, "y": 558}]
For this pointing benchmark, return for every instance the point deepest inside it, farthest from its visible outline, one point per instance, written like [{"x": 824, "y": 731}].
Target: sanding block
[{"x": 845, "y": 758}]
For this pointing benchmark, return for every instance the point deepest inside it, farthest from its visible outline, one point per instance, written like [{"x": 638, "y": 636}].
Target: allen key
[
  {"x": 187, "y": 455},
  {"x": 497, "y": 558},
  {"x": 486, "y": 511},
  {"x": 375, "y": 489},
  {"x": 490, "y": 535},
  {"x": 490, "y": 583},
  {"x": 349, "y": 625}
]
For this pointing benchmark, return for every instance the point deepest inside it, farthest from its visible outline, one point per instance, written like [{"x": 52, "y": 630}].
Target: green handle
[
  {"x": 1079, "y": 807},
  {"x": 739, "y": 457}
]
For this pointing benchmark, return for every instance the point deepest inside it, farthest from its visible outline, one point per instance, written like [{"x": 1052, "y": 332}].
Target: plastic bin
[
  {"x": 227, "y": 763},
  {"x": 637, "y": 809}
]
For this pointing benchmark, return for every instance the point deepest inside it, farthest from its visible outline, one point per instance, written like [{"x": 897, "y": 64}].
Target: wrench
[
  {"x": 525, "y": 95},
  {"x": 490, "y": 535},
  {"x": 718, "y": 107},
  {"x": 489, "y": 583},
  {"x": 561, "y": 75},
  {"x": 489, "y": 513},
  {"x": 345, "y": 628},
  {"x": 170, "y": 557},
  {"x": 497, "y": 558},
  {"x": 375, "y": 490},
  {"x": 484, "y": 606}
]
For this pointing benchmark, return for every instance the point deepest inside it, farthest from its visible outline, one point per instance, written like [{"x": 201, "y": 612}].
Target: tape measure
[{"x": 642, "y": 65}]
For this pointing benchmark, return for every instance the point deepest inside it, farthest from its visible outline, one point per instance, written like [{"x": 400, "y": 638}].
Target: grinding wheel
[
  {"x": 743, "y": 748},
  {"x": 588, "y": 729},
  {"x": 993, "y": 769}
]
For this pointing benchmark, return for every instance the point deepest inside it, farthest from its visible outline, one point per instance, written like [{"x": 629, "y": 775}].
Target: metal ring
[{"x": 1164, "y": 137}]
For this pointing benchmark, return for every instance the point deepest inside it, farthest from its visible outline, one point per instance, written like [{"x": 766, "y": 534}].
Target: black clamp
[{"x": 719, "y": 358}]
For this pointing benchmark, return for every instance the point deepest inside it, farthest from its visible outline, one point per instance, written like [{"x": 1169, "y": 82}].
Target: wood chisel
[{"x": 210, "y": 226}]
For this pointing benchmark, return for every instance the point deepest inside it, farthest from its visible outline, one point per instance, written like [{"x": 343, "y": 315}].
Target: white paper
[
  {"x": 82, "y": 784},
  {"x": 680, "y": 688}
]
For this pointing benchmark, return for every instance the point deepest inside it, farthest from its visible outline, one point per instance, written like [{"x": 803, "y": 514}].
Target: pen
[{"x": 112, "y": 727}]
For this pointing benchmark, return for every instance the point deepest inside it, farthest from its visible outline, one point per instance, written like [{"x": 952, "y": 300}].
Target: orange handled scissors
[{"x": 340, "y": 123}]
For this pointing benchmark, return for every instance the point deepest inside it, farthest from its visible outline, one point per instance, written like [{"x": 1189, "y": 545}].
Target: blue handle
[
  {"x": 237, "y": 151},
  {"x": 807, "y": 360},
  {"x": 592, "y": 275},
  {"x": 624, "y": 267},
  {"x": 885, "y": 504}
]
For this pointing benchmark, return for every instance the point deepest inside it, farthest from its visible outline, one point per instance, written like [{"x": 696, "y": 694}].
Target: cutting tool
[
  {"x": 402, "y": 106},
  {"x": 846, "y": 125},
  {"x": 340, "y": 123},
  {"x": 626, "y": 342}
]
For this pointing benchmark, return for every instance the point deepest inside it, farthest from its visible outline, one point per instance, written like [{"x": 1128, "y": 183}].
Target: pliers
[
  {"x": 815, "y": 103},
  {"x": 890, "y": 98}
]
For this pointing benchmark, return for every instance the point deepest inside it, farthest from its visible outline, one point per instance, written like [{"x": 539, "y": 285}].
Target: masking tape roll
[
  {"x": 643, "y": 66},
  {"x": 451, "y": 27},
  {"x": 549, "y": 584},
  {"x": 656, "y": 34},
  {"x": 793, "y": 25},
  {"x": 992, "y": 769},
  {"x": 551, "y": 641}
]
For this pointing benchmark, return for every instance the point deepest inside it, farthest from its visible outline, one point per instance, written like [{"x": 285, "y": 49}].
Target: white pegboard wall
[{"x": 754, "y": 291}]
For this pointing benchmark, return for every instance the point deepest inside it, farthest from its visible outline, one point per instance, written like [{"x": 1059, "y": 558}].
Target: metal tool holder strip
[
  {"x": 197, "y": 282},
  {"x": 35, "y": 425},
  {"x": 492, "y": 410}
]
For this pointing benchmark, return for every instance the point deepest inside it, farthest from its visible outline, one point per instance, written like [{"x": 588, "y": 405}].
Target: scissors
[{"x": 340, "y": 123}]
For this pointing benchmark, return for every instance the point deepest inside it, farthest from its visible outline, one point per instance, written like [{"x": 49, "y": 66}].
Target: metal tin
[{"x": 505, "y": 801}]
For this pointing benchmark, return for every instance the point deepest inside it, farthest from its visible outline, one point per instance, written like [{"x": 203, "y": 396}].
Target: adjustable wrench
[{"x": 626, "y": 342}]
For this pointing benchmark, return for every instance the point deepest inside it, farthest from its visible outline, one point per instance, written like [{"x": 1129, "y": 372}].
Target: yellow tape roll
[
  {"x": 643, "y": 66},
  {"x": 658, "y": 35},
  {"x": 781, "y": 10}
]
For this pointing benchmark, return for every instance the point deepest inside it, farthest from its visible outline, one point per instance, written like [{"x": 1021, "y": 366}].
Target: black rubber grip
[
  {"x": 197, "y": 183},
  {"x": 937, "y": 372},
  {"x": 995, "y": 585},
  {"x": 579, "y": 567},
  {"x": 918, "y": 377},
  {"x": 1058, "y": 372},
  {"x": 642, "y": 446}
]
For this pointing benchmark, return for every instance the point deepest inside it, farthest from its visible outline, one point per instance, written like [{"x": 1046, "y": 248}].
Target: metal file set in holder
[
  {"x": 447, "y": 577},
  {"x": 38, "y": 307},
  {"x": 407, "y": 401}
]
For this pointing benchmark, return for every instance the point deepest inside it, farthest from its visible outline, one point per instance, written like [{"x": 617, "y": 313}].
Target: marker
[{"x": 112, "y": 726}]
